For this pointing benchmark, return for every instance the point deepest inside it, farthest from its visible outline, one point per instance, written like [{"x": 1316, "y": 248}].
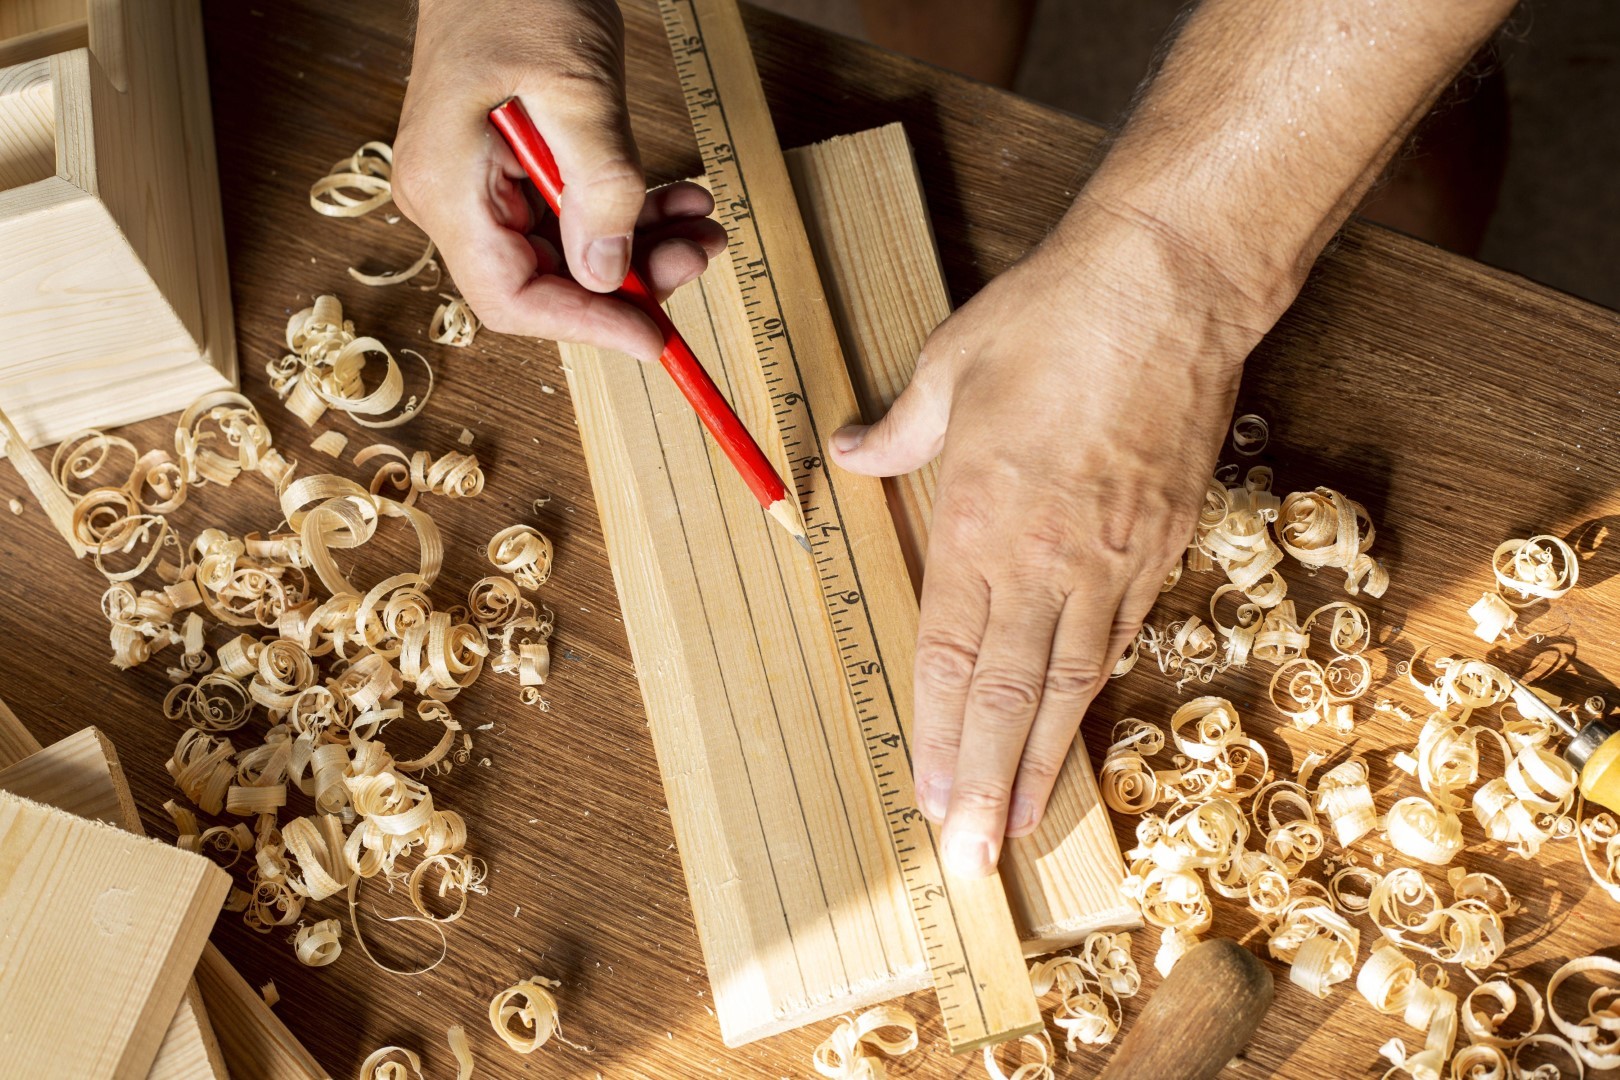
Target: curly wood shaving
[
  {"x": 1483, "y": 1024},
  {"x": 360, "y": 939},
  {"x": 1492, "y": 617},
  {"x": 358, "y": 184},
  {"x": 319, "y": 943},
  {"x": 424, "y": 262},
  {"x": 523, "y": 552},
  {"x": 1530, "y": 804},
  {"x": 1174, "y": 943},
  {"x": 1250, "y": 433},
  {"x": 1595, "y": 1039},
  {"x": 326, "y": 367},
  {"x": 1344, "y": 795},
  {"x": 330, "y": 443},
  {"x": 1600, "y": 848},
  {"x": 453, "y": 323},
  {"x": 525, "y": 1015},
  {"x": 1540, "y": 568},
  {"x": 857, "y": 1046},
  {"x": 1323, "y": 528},
  {"x": 1039, "y": 1069},
  {"x": 1419, "y": 829},
  {"x": 453, "y": 475},
  {"x": 1319, "y": 944},
  {"x": 1547, "y": 1071},
  {"x": 1406, "y": 910}
]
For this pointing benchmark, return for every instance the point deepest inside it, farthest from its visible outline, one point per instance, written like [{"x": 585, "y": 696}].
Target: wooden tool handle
[{"x": 1204, "y": 1013}]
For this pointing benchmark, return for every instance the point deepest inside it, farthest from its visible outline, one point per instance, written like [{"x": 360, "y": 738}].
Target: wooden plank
[
  {"x": 767, "y": 780},
  {"x": 1063, "y": 879},
  {"x": 82, "y": 775},
  {"x": 969, "y": 940},
  {"x": 94, "y": 913}
]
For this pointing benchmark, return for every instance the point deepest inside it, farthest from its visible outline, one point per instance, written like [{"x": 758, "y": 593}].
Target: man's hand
[
  {"x": 1080, "y": 401},
  {"x": 522, "y": 271}
]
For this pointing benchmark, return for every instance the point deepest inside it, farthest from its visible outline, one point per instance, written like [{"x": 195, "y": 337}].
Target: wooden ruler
[{"x": 965, "y": 926}]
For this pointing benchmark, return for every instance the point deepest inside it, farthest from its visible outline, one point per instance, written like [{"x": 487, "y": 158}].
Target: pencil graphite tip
[{"x": 804, "y": 543}]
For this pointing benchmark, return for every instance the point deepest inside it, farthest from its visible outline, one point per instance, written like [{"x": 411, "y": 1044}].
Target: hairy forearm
[{"x": 1270, "y": 119}]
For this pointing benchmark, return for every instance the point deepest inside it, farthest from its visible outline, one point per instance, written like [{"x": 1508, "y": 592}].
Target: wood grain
[
  {"x": 1360, "y": 381},
  {"x": 1063, "y": 879},
  {"x": 114, "y": 297},
  {"x": 81, "y": 774},
  {"x": 94, "y": 913}
]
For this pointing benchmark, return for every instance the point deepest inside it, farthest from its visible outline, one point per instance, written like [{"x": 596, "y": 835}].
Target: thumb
[
  {"x": 908, "y": 437},
  {"x": 586, "y": 123}
]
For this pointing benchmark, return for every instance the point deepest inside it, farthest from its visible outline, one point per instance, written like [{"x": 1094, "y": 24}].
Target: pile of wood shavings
[
  {"x": 1232, "y": 831},
  {"x": 328, "y": 676}
]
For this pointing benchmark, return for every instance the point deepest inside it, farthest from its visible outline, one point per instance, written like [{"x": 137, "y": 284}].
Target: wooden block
[
  {"x": 113, "y": 295},
  {"x": 256, "y": 1044},
  {"x": 94, "y": 915},
  {"x": 797, "y": 896},
  {"x": 222, "y": 1020},
  {"x": 1063, "y": 879},
  {"x": 79, "y": 774}
]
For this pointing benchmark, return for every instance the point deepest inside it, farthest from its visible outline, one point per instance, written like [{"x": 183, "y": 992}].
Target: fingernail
[
  {"x": 935, "y": 796},
  {"x": 1023, "y": 815},
  {"x": 849, "y": 438},
  {"x": 609, "y": 259},
  {"x": 967, "y": 855}
]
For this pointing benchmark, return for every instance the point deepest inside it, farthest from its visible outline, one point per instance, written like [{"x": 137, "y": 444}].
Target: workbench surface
[{"x": 1461, "y": 405}]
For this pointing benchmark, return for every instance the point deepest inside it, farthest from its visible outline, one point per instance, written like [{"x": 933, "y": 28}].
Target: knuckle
[
  {"x": 945, "y": 662},
  {"x": 1006, "y": 698},
  {"x": 1073, "y": 679},
  {"x": 1040, "y": 767},
  {"x": 979, "y": 794}
]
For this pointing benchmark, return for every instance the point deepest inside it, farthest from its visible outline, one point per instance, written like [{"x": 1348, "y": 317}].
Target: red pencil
[{"x": 512, "y": 121}]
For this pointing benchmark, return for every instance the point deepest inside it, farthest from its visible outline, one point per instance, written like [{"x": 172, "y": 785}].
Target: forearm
[{"x": 1270, "y": 119}]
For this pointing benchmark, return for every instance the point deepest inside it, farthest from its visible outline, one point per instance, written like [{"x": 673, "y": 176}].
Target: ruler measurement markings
[{"x": 771, "y": 334}]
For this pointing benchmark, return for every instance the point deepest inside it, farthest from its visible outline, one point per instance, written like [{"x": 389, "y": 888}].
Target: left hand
[{"x": 1080, "y": 401}]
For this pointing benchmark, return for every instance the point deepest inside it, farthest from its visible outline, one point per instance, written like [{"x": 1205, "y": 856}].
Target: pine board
[
  {"x": 1063, "y": 879},
  {"x": 81, "y": 774},
  {"x": 797, "y": 894},
  {"x": 96, "y": 915}
]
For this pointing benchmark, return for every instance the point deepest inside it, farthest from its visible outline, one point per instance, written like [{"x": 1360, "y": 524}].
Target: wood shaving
[
  {"x": 319, "y": 943},
  {"x": 456, "y": 1036},
  {"x": 454, "y": 475},
  {"x": 1595, "y": 1039},
  {"x": 326, "y": 368},
  {"x": 1089, "y": 988},
  {"x": 1250, "y": 433},
  {"x": 424, "y": 263},
  {"x": 1540, "y": 568},
  {"x": 453, "y": 323},
  {"x": 358, "y": 184},
  {"x": 858, "y": 1045},
  {"x": 525, "y": 1015},
  {"x": 330, "y": 443},
  {"x": 16, "y": 505},
  {"x": 1323, "y": 528},
  {"x": 523, "y": 552},
  {"x": 1038, "y": 1069}
]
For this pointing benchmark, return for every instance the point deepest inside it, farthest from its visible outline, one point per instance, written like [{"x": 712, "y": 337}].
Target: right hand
[{"x": 523, "y": 271}]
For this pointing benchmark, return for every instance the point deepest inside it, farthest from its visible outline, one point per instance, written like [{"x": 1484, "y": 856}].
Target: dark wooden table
[{"x": 1462, "y": 405}]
